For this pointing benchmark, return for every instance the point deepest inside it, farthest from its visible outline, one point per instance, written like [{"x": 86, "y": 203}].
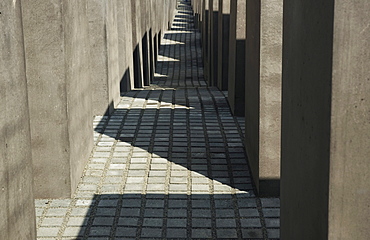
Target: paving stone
[
  {"x": 201, "y": 233},
  {"x": 226, "y": 233},
  {"x": 126, "y": 231},
  {"x": 176, "y": 222},
  {"x": 74, "y": 231},
  {"x": 176, "y": 233},
  {"x": 151, "y": 232},
  {"x": 250, "y": 222},
  {"x": 273, "y": 233}
]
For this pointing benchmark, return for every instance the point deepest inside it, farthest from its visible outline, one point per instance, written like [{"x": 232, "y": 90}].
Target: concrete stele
[
  {"x": 17, "y": 209},
  {"x": 263, "y": 93},
  {"x": 325, "y": 123},
  {"x": 236, "y": 78}
]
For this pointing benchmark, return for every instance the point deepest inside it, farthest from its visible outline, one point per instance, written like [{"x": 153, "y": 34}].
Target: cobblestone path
[{"x": 168, "y": 164}]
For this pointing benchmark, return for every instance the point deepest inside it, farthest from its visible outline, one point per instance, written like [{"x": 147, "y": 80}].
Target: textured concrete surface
[
  {"x": 223, "y": 44},
  {"x": 350, "y": 134},
  {"x": 126, "y": 61},
  {"x": 213, "y": 42},
  {"x": 237, "y": 58},
  {"x": 17, "y": 209},
  {"x": 103, "y": 34},
  {"x": 187, "y": 180},
  {"x": 325, "y": 129},
  {"x": 263, "y": 93},
  {"x": 137, "y": 43},
  {"x": 58, "y": 63},
  {"x": 205, "y": 38}
]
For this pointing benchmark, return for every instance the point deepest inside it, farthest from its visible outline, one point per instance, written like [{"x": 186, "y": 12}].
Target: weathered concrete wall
[
  {"x": 223, "y": 44},
  {"x": 263, "y": 93},
  {"x": 58, "y": 63},
  {"x": 17, "y": 208},
  {"x": 325, "y": 129},
  {"x": 237, "y": 58}
]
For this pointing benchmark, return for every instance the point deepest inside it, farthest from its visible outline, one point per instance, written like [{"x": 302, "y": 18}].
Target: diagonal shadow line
[{"x": 138, "y": 215}]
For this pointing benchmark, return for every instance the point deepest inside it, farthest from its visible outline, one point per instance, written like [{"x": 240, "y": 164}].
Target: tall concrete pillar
[
  {"x": 205, "y": 38},
  {"x": 223, "y": 44},
  {"x": 125, "y": 50},
  {"x": 213, "y": 42},
  {"x": 17, "y": 209},
  {"x": 103, "y": 35},
  {"x": 236, "y": 79},
  {"x": 59, "y": 93},
  {"x": 137, "y": 43},
  {"x": 263, "y": 93},
  {"x": 145, "y": 11},
  {"x": 325, "y": 191}
]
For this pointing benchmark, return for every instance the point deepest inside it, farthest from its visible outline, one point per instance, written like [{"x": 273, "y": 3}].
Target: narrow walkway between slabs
[{"x": 168, "y": 164}]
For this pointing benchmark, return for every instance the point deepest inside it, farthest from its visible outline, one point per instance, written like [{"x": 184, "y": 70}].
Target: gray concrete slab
[
  {"x": 237, "y": 58},
  {"x": 213, "y": 42},
  {"x": 223, "y": 44},
  {"x": 60, "y": 94},
  {"x": 325, "y": 124},
  {"x": 263, "y": 93},
  {"x": 137, "y": 44},
  {"x": 126, "y": 61},
  {"x": 103, "y": 32},
  {"x": 17, "y": 209},
  {"x": 205, "y": 38}
]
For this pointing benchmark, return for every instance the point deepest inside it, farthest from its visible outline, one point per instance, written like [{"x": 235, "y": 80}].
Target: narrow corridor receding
[{"x": 168, "y": 163}]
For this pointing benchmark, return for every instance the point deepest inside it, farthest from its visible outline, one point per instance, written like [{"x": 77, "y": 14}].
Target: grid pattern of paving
[{"x": 168, "y": 164}]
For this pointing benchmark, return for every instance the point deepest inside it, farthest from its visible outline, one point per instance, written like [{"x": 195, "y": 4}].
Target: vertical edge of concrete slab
[
  {"x": 99, "y": 60},
  {"x": 270, "y": 97},
  {"x": 205, "y": 39},
  {"x": 223, "y": 44},
  {"x": 263, "y": 93},
  {"x": 252, "y": 87},
  {"x": 79, "y": 92},
  {"x": 137, "y": 43},
  {"x": 104, "y": 52},
  {"x": 125, "y": 46},
  {"x": 306, "y": 118},
  {"x": 237, "y": 57},
  {"x": 213, "y": 41},
  {"x": 349, "y": 190},
  {"x": 113, "y": 57},
  {"x": 59, "y": 93},
  {"x": 17, "y": 209},
  {"x": 47, "y": 89},
  {"x": 209, "y": 61}
]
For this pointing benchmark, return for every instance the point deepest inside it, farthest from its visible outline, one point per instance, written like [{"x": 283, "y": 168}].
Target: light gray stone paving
[{"x": 169, "y": 163}]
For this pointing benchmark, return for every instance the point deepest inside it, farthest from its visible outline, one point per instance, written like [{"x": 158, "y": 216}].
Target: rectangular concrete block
[
  {"x": 263, "y": 93},
  {"x": 103, "y": 32},
  {"x": 205, "y": 38},
  {"x": 59, "y": 93},
  {"x": 223, "y": 44},
  {"x": 125, "y": 50},
  {"x": 213, "y": 42},
  {"x": 325, "y": 125},
  {"x": 17, "y": 209},
  {"x": 237, "y": 41},
  {"x": 137, "y": 43}
]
